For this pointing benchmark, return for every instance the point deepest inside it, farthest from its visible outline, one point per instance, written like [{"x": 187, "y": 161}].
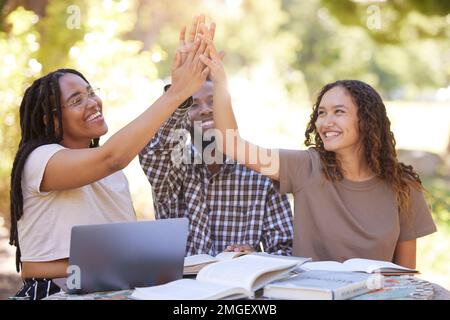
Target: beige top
[
  {"x": 346, "y": 219},
  {"x": 48, "y": 217}
]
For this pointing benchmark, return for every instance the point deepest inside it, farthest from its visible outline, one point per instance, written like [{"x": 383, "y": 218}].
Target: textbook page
[
  {"x": 250, "y": 271},
  {"x": 188, "y": 289}
]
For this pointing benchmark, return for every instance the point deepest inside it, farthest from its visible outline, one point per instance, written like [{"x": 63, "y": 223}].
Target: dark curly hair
[
  {"x": 41, "y": 99},
  {"x": 377, "y": 139}
]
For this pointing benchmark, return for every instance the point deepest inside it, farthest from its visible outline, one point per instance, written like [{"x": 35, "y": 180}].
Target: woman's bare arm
[
  {"x": 405, "y": 254},
  {"x": 229, "y": 141},
  {"x": 72, "y": 168}
]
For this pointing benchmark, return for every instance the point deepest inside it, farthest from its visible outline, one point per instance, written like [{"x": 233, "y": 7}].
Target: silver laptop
[{"x": 119, "y": 256}]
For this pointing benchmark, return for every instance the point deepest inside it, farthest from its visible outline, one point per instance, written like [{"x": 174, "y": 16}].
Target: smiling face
[
  {"x": 82, "y": 117},
  {"x": 337, "y": 121},
  {"x": 202, "y": 108}
]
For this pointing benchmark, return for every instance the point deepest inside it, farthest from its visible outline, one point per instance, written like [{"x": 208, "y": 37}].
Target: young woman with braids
[
  {"x": 62, "y": 177},
  {"x": 352, "y": 196}
]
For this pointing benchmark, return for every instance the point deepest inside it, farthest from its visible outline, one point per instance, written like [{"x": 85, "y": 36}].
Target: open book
[
  {"x": 228, "y": 279},
  {"x": 323, "y": 285},
  {"x": 193, "y": 264},
  {"x": 359, "y": 265}
]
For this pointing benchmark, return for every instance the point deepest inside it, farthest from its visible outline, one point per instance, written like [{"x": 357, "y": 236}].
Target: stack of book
[
  {"x": 228, "y": 279},
  {"x": 235, "y": 275}
]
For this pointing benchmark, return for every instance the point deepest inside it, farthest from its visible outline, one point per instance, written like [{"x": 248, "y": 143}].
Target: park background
[{"x": 278, "y": 55}]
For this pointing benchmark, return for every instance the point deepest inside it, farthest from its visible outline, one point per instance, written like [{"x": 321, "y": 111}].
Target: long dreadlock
[{"x": 42, "y": 98}]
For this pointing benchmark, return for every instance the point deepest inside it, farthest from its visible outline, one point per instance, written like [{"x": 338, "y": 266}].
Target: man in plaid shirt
[{"x": 225, "y": 202}]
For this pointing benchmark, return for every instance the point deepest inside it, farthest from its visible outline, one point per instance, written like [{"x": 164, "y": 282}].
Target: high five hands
[
  {"x": 196, "y": 57},
  {"x": 198, "y": 27},
  {"x": 188, "y": 71}
]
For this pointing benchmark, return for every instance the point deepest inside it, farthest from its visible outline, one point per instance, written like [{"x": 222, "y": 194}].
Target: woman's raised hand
[
  {"x": 189, "y": 75},
  {"x": 213, "y": 61},
  {"x": 186, "y": 45},
  {"x": 188, "y": 71}
]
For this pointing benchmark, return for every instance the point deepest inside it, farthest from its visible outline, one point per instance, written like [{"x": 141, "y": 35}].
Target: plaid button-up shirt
[{"x": 233, "y": 206}]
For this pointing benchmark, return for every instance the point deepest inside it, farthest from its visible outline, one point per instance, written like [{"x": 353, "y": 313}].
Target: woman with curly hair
[{"x": 352, "y": 196}]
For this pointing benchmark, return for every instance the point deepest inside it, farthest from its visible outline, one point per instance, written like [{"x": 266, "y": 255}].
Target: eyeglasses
[{"x": 81, "y": 99}]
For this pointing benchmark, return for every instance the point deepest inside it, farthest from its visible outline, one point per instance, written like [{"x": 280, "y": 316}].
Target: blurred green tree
[
  {"x": 399, "y": 19},
  {"x": 65, "y": 34},
  {"x": 336, "y": 45},
  {"x": 18, "y": 50}
]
